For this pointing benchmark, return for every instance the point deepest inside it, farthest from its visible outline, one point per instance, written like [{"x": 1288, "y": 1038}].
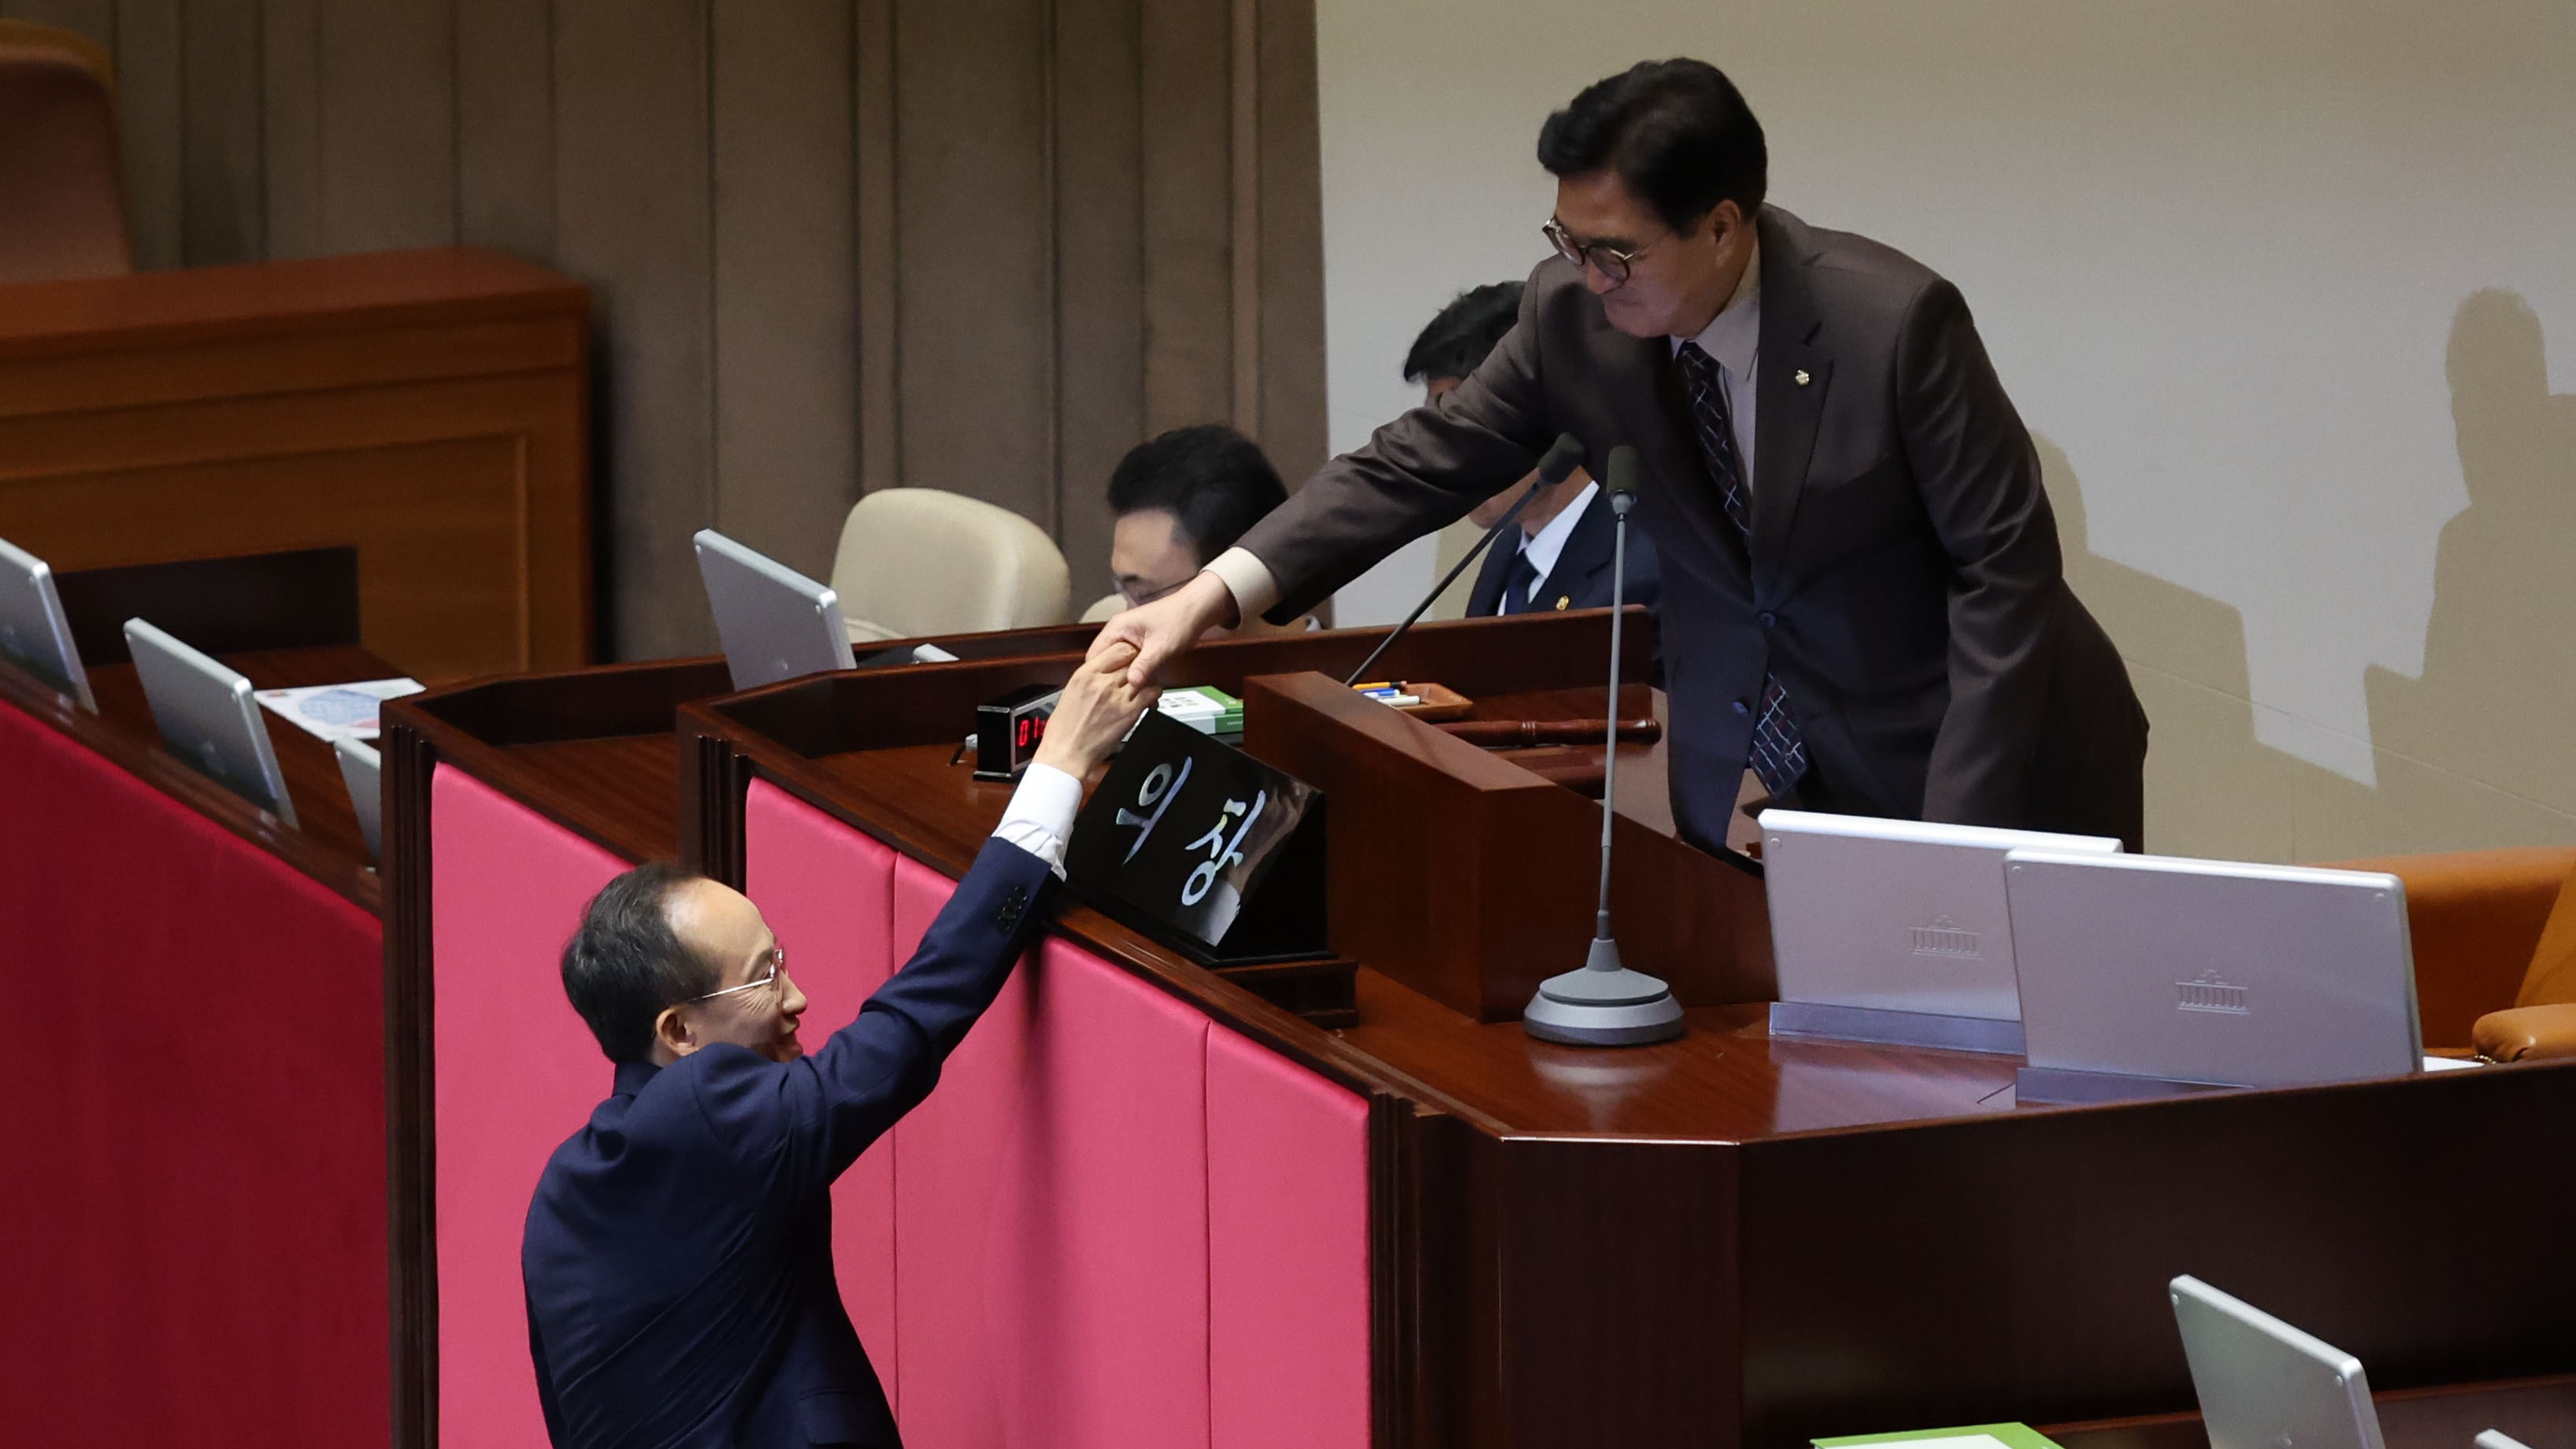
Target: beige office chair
[
  {"x": 62, "y": 199},
  {"x": 1104, "y": 608},
  {"x": 916, "y": 561}
]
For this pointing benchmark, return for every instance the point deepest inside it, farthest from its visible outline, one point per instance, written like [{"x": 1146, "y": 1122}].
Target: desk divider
[{"x": 517, "y": 1072}]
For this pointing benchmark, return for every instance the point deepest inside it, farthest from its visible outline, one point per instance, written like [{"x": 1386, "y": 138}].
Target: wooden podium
[{"x": 1724, "y": 1240}]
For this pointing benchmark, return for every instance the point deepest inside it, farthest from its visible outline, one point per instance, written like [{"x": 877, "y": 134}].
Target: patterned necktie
[
  {"x": 1517, "y": 582},
  {"x": 1778, "y": 753}
]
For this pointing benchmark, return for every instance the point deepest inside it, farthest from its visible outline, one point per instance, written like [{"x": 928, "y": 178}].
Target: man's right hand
[
  {"x": 1096, "y": 710},
  {"x": 1166, "y": 627}
]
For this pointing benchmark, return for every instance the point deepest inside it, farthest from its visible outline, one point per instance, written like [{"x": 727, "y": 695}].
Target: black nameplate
[{"x": 1204, "y": 848}]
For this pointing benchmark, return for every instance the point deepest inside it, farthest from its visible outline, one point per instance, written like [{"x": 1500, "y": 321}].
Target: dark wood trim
[{"x": 411, "y": 1216}]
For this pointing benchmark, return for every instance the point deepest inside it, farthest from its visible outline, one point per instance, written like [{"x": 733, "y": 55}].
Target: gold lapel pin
[
  {"x": 1803, "y": 379},
  {"x": 1562, "y": 600}
]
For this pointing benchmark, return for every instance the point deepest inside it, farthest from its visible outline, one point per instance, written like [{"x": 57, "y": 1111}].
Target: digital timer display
[{"x": 1009, "y": 730}]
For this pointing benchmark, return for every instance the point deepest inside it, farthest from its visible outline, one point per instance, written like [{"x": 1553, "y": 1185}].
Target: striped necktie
[{"x": 1778, "y": 752}]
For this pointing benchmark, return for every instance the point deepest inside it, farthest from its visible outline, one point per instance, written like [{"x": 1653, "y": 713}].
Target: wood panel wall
[{"x": 981, "y": 245}]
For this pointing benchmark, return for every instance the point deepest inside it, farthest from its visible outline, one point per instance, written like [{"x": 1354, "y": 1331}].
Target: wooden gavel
[{"x": 1513, "y": 733}]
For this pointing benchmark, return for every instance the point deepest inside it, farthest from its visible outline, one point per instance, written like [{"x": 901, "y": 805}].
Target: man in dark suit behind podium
[
  {"x": 1560, "y": 558},
  {"x": 679, "y": 1249},
  {"x": 1863, "y": 598}
]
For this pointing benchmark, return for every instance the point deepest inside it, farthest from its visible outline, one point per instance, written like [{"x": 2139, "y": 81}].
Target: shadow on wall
[{"x": 2481, "y": 751}]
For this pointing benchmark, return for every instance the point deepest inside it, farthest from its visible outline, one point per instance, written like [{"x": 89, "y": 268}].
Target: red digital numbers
[{"x": 1030, "y": 730}]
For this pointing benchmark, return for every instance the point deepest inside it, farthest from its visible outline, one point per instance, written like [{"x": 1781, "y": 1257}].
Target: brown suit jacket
[{"x": 1903, "y": 576}]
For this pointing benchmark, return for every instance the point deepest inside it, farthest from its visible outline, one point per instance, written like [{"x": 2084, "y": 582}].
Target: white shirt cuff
[
  {"x": 1040, "y": 815},
  {"x": 1249, "y": 580}
]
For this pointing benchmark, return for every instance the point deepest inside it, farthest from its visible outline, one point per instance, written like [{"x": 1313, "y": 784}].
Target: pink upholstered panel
[
  {"x": 827, "y": 891},
  {"x": 1051, "y": 1219},
  {"x": 517, "y": 1074},
  {"x": 1288, "y": 1289}
]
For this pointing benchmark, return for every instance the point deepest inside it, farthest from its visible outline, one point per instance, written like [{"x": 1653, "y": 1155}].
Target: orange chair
[
  {"x": 62, "y": 199},
  {"x": 2492, "y": 927}
]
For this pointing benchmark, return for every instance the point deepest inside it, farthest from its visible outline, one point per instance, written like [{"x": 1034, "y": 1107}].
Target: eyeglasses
[
  {"x": 1137, "y": 599},
  {"x": 777, "y": 968},
  {"x": 1609, "y": 261}
]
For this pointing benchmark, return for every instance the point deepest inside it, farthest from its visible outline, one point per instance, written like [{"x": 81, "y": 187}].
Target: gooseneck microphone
[
  {"x": 1602, "y": 1002},
  {"x": 1560, "y": 461}
]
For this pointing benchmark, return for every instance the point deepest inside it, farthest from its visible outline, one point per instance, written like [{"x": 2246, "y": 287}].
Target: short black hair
[
  {"x": 1676, "y": 131},
  {"x": 1213, "y": 480},
  {"x": 625, "y": 963},
  {"x": 1458, "y": 339}
]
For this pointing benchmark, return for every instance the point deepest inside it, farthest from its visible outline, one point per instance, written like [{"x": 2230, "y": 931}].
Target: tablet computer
[
  {"x": 1896, "y": 930},
  {"x": 2263, "y": 1383},
  {"x": 775, "y": 623},
  {"x": 362, "y": 770},
  {"x": 208, "y": 718},
  {"x": 2143, "y": 975},
  {"x": 34, "y": 634}
]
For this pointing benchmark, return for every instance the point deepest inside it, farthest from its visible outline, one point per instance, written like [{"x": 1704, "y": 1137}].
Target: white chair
[
  {"x": 917, "y": 561},
  {"x": 1103, "y": 608}
]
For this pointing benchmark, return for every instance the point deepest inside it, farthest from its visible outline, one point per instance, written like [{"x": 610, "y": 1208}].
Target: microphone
[
  {"x": 1559, "y": 461},
  {"x": 1602, "y": 1002}
]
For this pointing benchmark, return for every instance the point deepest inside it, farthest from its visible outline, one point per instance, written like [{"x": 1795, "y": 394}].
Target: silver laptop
[
  {"x": 2263, "y": 1384},
  {"x": 362, "y": 770},
  {"x": 208, "y": 719},
  {"x": 34, "y": 634},
  {"x": 2146, "y": 975},
  {"x": 1896, "y": 930},
  {"x": 775, "y": 622}
]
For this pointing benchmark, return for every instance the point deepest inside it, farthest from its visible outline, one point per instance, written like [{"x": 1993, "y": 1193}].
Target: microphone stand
[
  {"x": 1603, "y": 1003},
  {"x": 1553, "y": 469}
]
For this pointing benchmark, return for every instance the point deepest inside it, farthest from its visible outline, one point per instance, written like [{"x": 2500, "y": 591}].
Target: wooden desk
[
  {"x": 429, "y": 408},
  {"x": 1729, "y": 1240}
]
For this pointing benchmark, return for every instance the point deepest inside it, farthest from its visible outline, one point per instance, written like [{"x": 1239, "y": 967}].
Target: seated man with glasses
[
  {"x": 678, "y": 1257},
  {"x": 1181, "y": 499},
  {"x": 1560, "y": 557}
]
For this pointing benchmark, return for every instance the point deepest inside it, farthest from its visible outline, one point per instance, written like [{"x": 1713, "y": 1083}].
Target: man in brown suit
[{"x": 1863, "y": 599}]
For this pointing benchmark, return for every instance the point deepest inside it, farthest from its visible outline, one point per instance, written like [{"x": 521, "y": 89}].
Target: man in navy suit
[
  {"x": 1560, "y": 559},
  {"x": 678, "y": 1256}
]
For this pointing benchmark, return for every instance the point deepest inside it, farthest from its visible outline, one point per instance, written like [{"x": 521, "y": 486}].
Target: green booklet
[{"x": 1974, "y": 1436}]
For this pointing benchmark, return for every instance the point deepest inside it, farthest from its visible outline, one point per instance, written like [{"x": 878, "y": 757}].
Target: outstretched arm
[{"x": 831, "y": 1105}]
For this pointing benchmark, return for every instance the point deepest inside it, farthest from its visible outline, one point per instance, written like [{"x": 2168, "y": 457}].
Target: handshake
[{"x": 1099, "y": 706}]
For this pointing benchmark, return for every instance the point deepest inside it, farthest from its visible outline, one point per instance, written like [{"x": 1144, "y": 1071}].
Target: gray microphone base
[{"x": 1603, "y": 1004}]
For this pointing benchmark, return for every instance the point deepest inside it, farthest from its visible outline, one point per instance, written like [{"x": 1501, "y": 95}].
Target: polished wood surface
[
  {"x": 301, "y": 599},
  {"x": 428, "y": 409},
  {"x": 1472, "y": 879}
]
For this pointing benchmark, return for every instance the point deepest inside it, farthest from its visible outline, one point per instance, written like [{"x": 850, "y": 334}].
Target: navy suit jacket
[
  {"x": 1581, "y": 578},
  {"x": 678, "y": 1256}
]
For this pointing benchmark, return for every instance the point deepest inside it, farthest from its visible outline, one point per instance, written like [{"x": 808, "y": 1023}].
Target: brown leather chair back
[
  {"x": 2551, "y": 981},
  {"x": 62, "y": 199}
]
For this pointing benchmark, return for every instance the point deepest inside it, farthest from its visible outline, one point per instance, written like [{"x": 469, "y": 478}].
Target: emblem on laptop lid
[
  {"x": 2210, "y": 992},
  {"x": 1944, "y": 938}
]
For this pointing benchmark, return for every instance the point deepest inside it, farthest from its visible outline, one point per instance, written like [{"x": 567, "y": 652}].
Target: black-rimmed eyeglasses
[{"x": 1608, "y": 260}]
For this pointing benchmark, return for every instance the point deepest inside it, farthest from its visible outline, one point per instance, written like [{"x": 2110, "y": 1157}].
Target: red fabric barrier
[
  {"x": 827, "y": 892},
  {"x": 517, "y": 1073},
  {"x": 1051, "y": 1215},
  {"x": 1288, "y": 1266},
  {"x": 193, "y": 1129}
]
